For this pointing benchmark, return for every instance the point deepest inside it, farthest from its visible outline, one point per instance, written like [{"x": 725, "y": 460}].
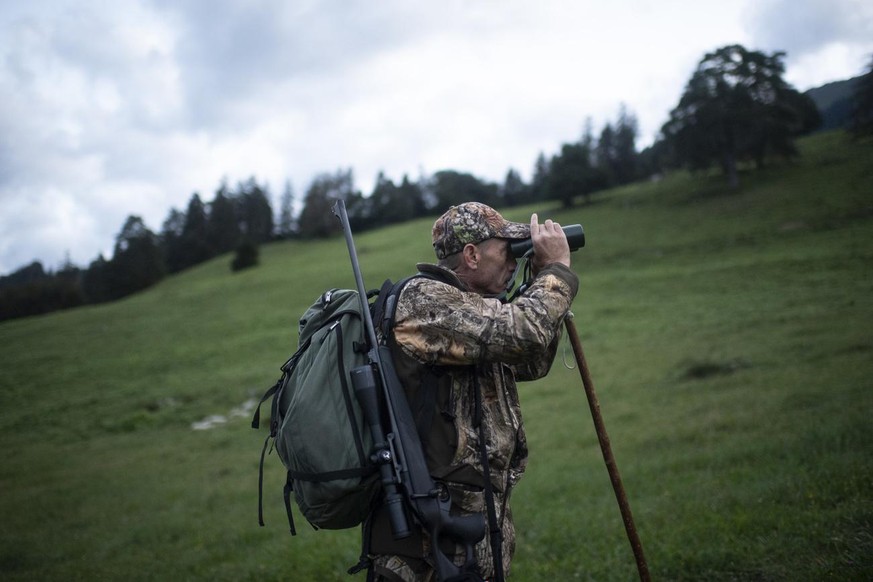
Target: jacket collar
[{"x": 441, "y": 274}]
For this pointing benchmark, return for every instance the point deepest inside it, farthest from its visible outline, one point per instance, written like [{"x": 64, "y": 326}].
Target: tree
[
  {"x": 359, "y": 209},
  {"x": 246, "y": 256},
  {"x": 137, "y": 262},
  {"x": 287, "y": 226},
  {"x": 539, "y": 181},
  {"x": 380, "y": 208},
  {"x": 390, "y": 204},
  {"x": 597, "y": 174},
  {"x": 222, "y": 228},
  {"x": 625, "y": 158},
  {"x": 615, "y": 152},
  {"x": 737, "y": 107},
  {"x": 450, "y": 188},
  {"x": 654, "y": 159},
  {"x": 606, "y": 156},
  {"x": 255, "y": 213},
  {"x": 95, "y": 283},
  {"x": 514, "y": 191},
  {"x": 194, "y": 246},
  {"x": 316, "y": 217},
  {"x": 171, "y": 241},
  {"x": 413, "y": 195},
  {"x": 862, "y": 103},
  {"x": 29, "y": 274},
  {"x": 31, "y": 291},
  {"x": 572, "y": 174}
]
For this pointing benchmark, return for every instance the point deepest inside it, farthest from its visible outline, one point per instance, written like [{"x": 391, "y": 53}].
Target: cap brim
[{"x": 514, "y": 231}]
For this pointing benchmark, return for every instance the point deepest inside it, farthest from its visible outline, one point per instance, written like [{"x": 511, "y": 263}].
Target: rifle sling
[{"x": 494, "y": 530}]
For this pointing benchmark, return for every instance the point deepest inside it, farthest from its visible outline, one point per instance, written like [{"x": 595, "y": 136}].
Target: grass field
[{"x": 729, "y": 335}]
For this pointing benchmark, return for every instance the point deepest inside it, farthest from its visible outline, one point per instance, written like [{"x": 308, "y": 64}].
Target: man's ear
[{"x": 470, "y": 256}]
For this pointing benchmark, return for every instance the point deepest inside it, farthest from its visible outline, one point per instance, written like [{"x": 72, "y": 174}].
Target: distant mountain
[{"x": 834, "y": 102}]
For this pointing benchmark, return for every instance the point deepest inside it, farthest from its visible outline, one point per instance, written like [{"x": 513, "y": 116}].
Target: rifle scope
[{"x": 575, "y": 236}]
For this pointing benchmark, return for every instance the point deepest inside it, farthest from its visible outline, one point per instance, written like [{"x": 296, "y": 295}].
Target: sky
[{"x": 112, "y": 108}]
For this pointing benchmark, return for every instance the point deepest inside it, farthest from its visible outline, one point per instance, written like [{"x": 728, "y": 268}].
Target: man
[{"x": 452, "y": 336}]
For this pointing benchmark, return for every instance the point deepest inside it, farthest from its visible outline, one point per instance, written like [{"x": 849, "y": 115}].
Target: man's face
[{"x": 496, "y": 267}]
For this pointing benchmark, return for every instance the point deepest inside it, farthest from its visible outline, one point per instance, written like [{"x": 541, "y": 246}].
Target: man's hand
[{"x": 549, "y": 244}]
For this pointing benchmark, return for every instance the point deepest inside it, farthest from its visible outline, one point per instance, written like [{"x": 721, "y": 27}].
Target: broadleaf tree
[{"x": 737, "y": 107}]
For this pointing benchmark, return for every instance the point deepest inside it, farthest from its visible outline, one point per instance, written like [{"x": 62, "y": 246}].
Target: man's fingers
[{"x": 551, "y": 226}]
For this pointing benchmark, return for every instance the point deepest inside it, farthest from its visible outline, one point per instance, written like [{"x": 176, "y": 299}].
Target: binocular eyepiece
[{"x": 575, "y": 236}]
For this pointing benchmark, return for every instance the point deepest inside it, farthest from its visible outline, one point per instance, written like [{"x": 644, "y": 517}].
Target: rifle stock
[{"x": 398, "y": 449}]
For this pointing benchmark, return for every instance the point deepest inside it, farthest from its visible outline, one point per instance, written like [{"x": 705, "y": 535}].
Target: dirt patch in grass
[{"x": 702, "y": 369}]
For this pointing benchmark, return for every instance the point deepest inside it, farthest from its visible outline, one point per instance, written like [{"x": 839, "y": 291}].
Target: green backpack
[{"x": 316, "y": 423}]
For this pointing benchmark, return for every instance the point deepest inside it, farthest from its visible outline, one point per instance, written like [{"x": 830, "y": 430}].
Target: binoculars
[{"x": 575, "y": 236}]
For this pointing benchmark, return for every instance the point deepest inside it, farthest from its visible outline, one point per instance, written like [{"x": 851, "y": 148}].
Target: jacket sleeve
[
  {"x": 537, "y": 368},
  {"x": 443, "y": 325}
]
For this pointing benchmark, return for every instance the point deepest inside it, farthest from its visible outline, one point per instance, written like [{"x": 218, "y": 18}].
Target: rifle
[{"x": 397, "y": 448}]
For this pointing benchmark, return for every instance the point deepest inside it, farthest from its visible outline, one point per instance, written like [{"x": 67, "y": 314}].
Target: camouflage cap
[{"x": 472, "y": 222}]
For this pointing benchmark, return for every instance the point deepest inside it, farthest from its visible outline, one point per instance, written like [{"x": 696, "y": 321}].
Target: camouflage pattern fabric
[
  {"x": 441, "y": 324},
  {"x": 472, "y": 222}
]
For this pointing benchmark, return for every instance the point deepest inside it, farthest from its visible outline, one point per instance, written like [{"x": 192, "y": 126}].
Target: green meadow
[{"x": 729, "y": 335}]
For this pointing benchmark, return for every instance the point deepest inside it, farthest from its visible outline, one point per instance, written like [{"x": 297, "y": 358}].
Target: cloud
[
  {"x": 825, "y": 40},
  {"x": 804, "y": 27},
  {"x": 242, "y": 50},
  {"x": 80, "y": 86}
]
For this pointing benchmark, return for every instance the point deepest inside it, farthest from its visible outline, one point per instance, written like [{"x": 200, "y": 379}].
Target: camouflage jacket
[{"x": 443, "y": 330}]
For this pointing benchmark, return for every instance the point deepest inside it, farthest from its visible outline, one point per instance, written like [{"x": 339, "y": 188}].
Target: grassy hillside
[{"x": 729, "y": 334}]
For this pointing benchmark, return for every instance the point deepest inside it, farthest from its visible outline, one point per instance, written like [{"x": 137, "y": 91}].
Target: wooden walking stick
[{"x": 606, "y": 449}]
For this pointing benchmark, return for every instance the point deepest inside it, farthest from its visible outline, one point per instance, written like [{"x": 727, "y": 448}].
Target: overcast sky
[{"x": 118, "y": 107}]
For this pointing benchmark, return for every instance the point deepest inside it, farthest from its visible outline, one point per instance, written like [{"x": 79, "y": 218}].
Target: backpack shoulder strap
[{"x": 385, "y": 307}]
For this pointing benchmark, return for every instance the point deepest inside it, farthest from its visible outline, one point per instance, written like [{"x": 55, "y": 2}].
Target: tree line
[
  {"x": 240, "y": 219},
  {"x": 735, "y": 110}
]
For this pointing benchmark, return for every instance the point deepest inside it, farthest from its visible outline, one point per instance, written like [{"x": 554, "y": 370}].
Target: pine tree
[
  {"x": 222, "y": 228},
  {"x": 287, "y": 226}
]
